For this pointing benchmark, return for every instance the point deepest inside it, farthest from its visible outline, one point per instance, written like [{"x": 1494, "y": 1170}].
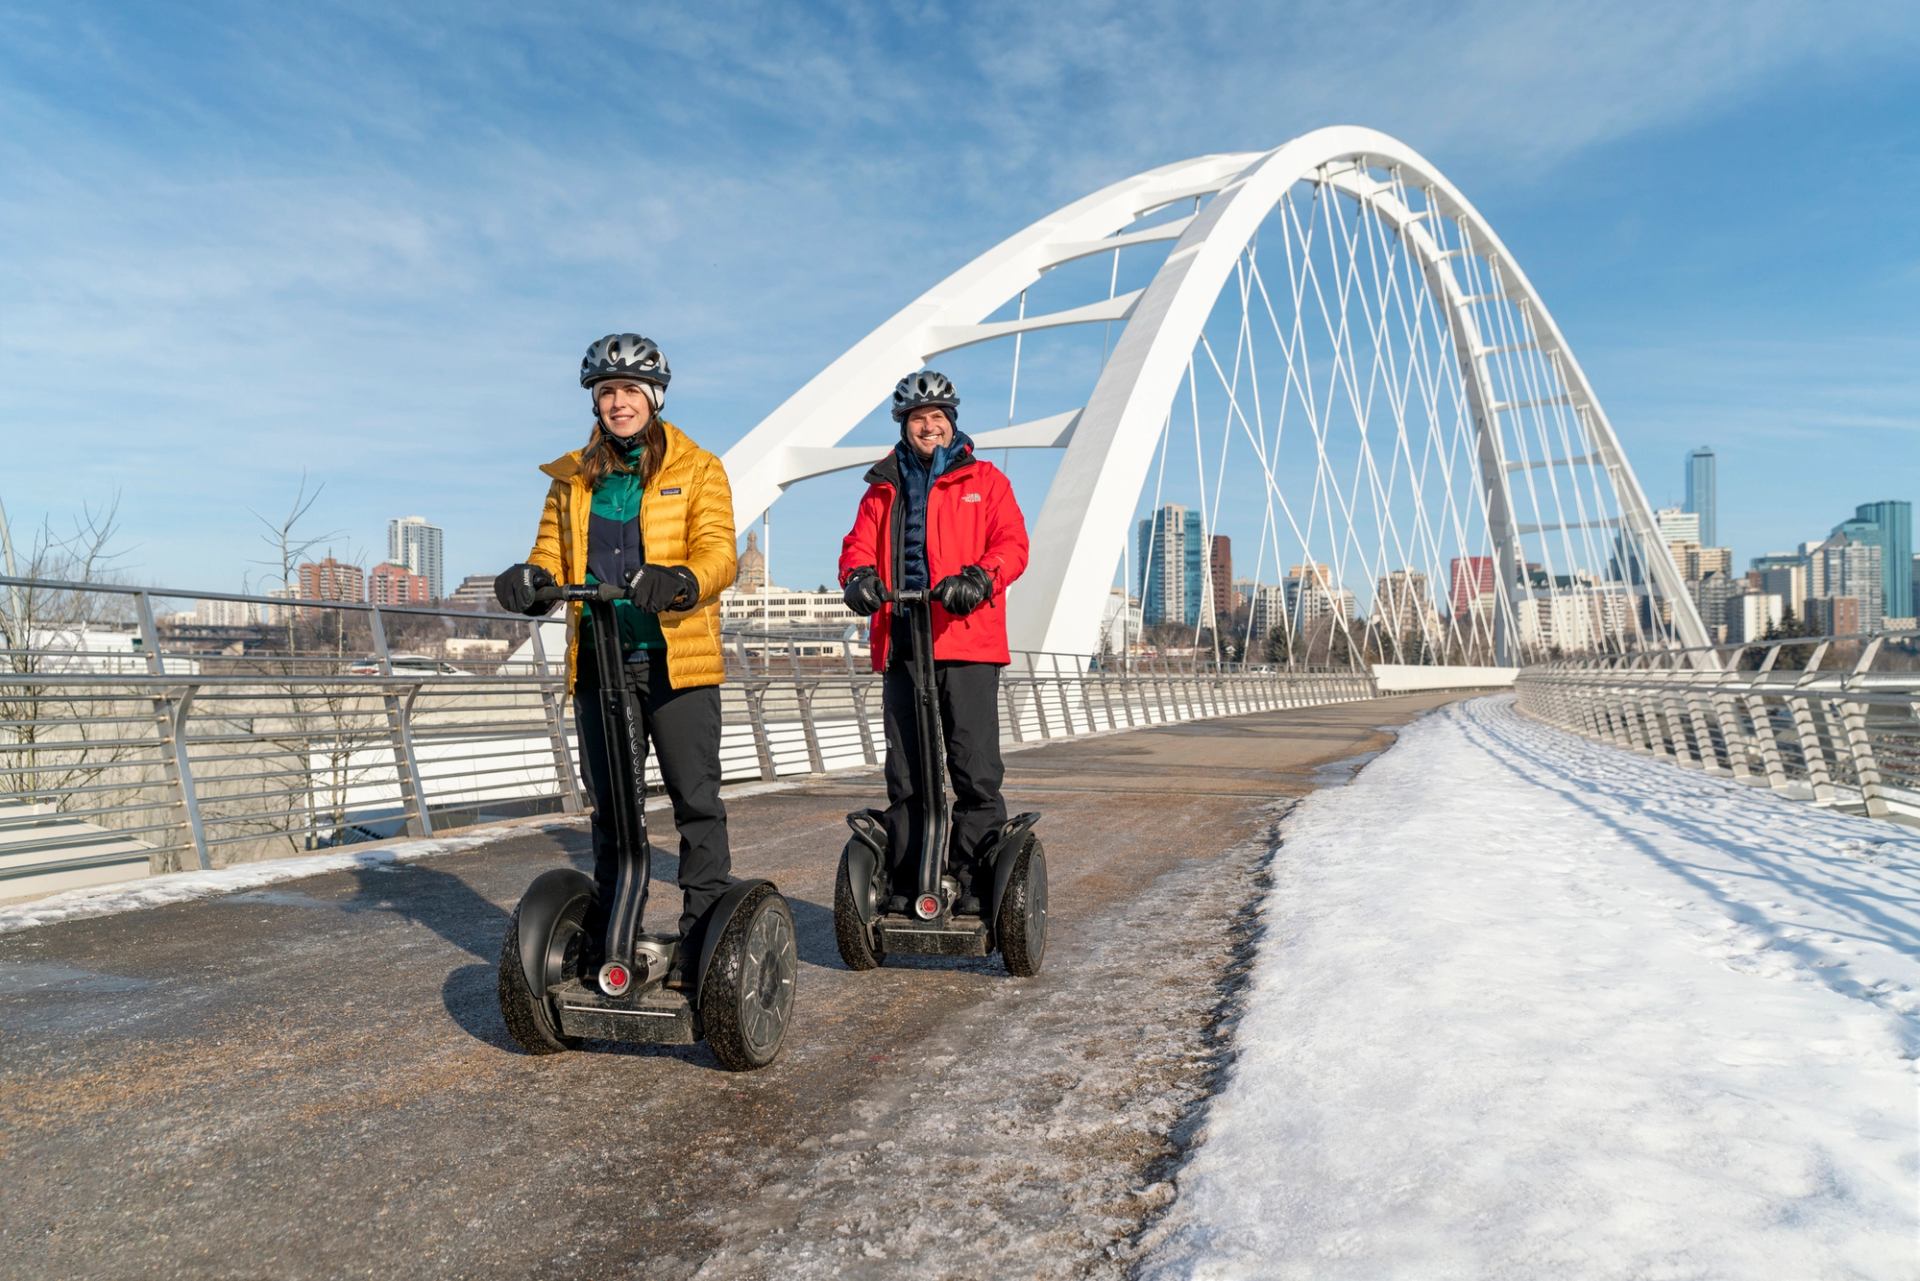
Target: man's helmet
[
  {"x": 627, "y": 356},
  {"x": 925, "y": 388}
]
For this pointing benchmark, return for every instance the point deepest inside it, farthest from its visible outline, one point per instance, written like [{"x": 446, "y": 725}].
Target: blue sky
[{"x": 369, "y": 241}]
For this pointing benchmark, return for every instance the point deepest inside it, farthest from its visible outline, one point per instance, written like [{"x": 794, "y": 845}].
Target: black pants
[
  {"x": 970, "y": 715},
  {"x": 683, "y": 727}
]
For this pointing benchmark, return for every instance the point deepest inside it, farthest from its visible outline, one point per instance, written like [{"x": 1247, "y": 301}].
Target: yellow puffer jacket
[{"x": 686, "y": 518}]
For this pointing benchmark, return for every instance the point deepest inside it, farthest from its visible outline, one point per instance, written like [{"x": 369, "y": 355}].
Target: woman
[{"x": 643, "y": 506}]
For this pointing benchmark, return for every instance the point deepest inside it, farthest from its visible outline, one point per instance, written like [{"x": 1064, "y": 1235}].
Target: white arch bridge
[{"x": 1323, "y": 351}]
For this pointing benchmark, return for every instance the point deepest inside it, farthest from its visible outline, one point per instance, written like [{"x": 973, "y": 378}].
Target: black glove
[
  {"x": 964, "y": 592},
  {"x": 864, "y": 594},
  {"x": 658, "y": 588},
  {"x": 515, "y": 590}
]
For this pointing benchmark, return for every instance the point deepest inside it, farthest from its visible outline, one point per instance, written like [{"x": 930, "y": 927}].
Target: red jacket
[{"x": 972, "y": 519}]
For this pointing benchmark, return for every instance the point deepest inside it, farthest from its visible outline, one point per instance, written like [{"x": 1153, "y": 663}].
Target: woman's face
[{"x": 624, "y": 407}]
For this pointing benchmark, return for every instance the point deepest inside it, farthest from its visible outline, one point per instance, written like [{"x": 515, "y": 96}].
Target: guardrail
[
  {"x": 123, "y": 739},
  {"x": 1826, "y": 719}
]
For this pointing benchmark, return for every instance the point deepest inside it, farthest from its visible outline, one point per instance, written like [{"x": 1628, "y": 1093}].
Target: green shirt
[{"x": 613, "y": 537}]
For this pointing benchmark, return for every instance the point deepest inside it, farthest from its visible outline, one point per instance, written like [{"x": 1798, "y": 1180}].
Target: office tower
[
  {"x": 1851, "y": 568},
  {"x": 1889, "y": 526},
  {"x": 412, "y": 542},
  {"x": 1170, "y": 555},
  {"x": 1702, "y": 492},
  {"x": 1470, "y": 579},
  {"x": 1220, "y": 571}
]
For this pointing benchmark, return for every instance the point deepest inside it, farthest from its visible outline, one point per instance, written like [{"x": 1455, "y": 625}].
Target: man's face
[{"x": 928, "y": 428}]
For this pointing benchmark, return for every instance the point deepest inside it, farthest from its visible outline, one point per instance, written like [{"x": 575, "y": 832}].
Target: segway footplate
[
  {"x": 957, "y": 936},
  {"x": 653, "y": 1016}
]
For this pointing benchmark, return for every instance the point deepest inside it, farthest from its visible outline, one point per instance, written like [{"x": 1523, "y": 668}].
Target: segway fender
[
  {"x": 717, "y": 917},
  {"x": 540, "y": 910},
  {"x": 866, "y": 854},
  {"x": 1013, "y": 836}
]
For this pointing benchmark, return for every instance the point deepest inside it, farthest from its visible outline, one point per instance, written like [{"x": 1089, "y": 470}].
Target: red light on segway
[
  {"x": 614, "y": 978},
  {"x": 927, "y": 906}
]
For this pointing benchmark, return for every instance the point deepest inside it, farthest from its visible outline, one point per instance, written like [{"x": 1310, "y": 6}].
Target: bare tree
[
  {"x": 288, "y": 544},
  {"x": 49, "y": 747}
]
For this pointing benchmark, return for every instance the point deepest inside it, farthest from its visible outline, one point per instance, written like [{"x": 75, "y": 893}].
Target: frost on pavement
[
  {"x": 1529, "y": 1006},
  {"x": 1013, "y": 1144}
]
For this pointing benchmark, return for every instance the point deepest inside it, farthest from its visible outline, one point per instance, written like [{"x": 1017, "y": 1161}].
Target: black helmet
[
  {"x": 625, "y": 356},
  {"x": 925, "y": 388}
]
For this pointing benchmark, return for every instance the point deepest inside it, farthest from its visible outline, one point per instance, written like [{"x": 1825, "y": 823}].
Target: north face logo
[{"x": 969, "y": 498}]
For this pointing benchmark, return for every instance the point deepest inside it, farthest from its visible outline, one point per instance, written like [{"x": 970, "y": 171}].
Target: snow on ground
[
  {"x": 1529, "y": 1006},
  {"x": 178, "y": 887}
]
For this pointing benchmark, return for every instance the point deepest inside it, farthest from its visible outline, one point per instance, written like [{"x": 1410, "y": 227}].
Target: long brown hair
[{"x": 600, "y": 458}]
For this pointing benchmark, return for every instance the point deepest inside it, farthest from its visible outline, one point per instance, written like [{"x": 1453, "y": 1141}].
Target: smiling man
[{"x": 935, "y": 518}]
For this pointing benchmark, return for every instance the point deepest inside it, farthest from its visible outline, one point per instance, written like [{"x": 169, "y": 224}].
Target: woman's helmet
[
  {"x": 628, "y": 356},
  {"x": 925, "y": 388}
]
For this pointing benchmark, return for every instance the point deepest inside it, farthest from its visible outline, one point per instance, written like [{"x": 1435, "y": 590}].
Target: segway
[
  {"x": 559, "y": 987},
  {"x": 1011, "y": 863}
]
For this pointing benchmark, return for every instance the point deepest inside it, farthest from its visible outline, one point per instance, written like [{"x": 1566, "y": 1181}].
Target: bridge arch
[{"x": 1487, "y": 315}]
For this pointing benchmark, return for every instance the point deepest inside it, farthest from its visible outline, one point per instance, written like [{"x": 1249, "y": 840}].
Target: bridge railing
[
  {"x": 130, "y": 739},
  {"x": 1834, "y": 720}
]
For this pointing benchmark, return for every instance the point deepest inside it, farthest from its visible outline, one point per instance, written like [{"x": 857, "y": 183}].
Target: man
[{"x": 936, "y": 518}]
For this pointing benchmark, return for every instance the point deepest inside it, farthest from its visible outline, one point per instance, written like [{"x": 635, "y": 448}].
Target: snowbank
[{"x": 1529, "y": 1006}]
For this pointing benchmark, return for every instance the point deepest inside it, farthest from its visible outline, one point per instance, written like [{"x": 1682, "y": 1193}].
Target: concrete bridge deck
[{"x": 313, "y": 1080}]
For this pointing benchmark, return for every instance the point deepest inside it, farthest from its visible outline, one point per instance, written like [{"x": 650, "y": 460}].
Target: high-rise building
[
  {"x": 1172, "y": 561},
  {"x": 1402, "y": 605},
  {"x": 392, "y": 584},
  {"x": 1220, "y": 576},
  {"x": 1784, "y": 574},
  {"x": 330, "y": 579},
  {"x": 1889, "y": 525},
  {"x": 1677, "y": 526},
  {"x": 1469, "y": 579},
  {"x": 1750, "y": 615},
  {"x": 412, "y": 542},
  {"x": 1269, "y": 609},
  {"x": 1836, "y": 616},
  {"x": 1851, "y": 568},
  {"x": 1712, "y": 593},
  {"x": 1702, "y": 492}
]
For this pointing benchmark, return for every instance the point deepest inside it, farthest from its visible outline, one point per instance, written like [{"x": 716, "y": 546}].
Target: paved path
[{"x": 313, "y": 1079}]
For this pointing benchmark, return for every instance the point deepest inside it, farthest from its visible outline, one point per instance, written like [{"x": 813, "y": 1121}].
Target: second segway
[
  {"x": 560, "y": 986},
  {"x": 1010, "y": 868}
]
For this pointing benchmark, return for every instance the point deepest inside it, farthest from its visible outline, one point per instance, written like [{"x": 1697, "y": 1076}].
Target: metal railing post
[
  {"x": 1819, "y": 775},
  {"x": 1866, "y": 768},
  {"x": 1762, "y": 720},
  {"x": 170, "y": 719},
  {"x": 553, "y": 709},
  {"x": 406, "y": 763}
]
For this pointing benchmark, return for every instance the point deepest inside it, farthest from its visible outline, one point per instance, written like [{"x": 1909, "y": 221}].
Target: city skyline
[{"x": 331, "y": 276}]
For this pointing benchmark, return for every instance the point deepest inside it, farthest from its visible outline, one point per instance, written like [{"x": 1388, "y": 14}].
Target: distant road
[{"x": 312, "y": 1080}]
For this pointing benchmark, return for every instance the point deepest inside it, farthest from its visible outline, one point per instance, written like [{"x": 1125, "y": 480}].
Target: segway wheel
[
  {"x": 746, "y": 997},
  {"x": 850, "y": 934},
  {"x": 528, "y": 1014},
  {"x": 1023, "y": 913}
]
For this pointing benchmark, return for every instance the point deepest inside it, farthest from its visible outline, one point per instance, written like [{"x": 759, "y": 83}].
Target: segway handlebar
[
  {"x": 579, "y": 592},
  {"x": 909, "y": 596}
]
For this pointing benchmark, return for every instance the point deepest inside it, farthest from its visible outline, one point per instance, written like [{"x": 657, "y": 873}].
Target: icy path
[{"x": 1527, "y": 1006}]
